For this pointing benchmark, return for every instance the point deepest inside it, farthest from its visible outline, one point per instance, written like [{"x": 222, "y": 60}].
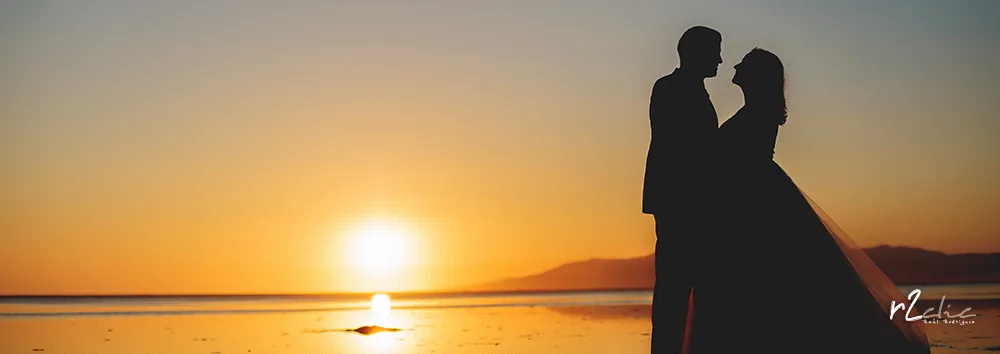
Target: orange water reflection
[
  {"x": 530, "y": 330},
  {"x": 450, "y": 330}
]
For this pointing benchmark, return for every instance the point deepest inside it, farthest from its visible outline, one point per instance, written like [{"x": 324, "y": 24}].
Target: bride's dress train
[{"x": 783, "y": 277}]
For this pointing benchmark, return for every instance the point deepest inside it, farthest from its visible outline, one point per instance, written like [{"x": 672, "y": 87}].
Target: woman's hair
[{"x": 765, "y": 73}]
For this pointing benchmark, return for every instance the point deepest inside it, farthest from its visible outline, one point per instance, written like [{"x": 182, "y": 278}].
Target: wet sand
[{"x": 515, "y": 329}]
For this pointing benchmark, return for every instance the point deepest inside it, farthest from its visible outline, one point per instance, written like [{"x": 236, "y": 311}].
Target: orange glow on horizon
[{"x": 155, "y": 148}]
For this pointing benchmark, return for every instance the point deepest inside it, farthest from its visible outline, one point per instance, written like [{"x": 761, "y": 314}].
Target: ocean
[{"x": 150, "y": 305}]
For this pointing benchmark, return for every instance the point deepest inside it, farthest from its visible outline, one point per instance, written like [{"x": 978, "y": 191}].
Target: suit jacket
[{"x": 683, "y": 124}]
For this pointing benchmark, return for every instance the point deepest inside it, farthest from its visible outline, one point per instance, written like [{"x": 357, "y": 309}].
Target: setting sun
[
  {"x": 379, "y": 254},
  {"x": 381, "y": 249}
]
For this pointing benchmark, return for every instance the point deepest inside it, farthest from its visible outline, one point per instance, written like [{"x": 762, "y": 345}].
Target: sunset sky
[{"x": 249, "y": 146}]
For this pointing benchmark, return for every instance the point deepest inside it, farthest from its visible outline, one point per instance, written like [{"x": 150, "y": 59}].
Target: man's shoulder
[
  {"x": 664, "y": 84},
  {"x": 665, "y": 80},
  {"x": 669, "y": 83}
]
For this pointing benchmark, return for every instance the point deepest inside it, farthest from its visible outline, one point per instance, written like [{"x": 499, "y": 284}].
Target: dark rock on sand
[{"x": 373, "y": 329}]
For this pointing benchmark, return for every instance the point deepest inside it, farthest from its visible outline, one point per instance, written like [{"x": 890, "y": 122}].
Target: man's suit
[{"x": 677, "y": 192}]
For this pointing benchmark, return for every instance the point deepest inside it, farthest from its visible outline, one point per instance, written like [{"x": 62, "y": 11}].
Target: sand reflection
[
  {"x": 480, "y": 330},
  {"x": 630, "y": 312},
  {"x": 383, "y": 342}
]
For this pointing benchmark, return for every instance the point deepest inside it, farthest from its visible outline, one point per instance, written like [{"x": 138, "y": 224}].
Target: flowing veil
[{"x": 881, "y": 288}]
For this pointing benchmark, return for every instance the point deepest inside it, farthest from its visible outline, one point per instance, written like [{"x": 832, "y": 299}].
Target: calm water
[{"x": 191, "y": 305}]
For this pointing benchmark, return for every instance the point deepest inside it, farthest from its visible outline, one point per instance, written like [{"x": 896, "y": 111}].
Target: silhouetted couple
[{"x": 745, "y": 261}]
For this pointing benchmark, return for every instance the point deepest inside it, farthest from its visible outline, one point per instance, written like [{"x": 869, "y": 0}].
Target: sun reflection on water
[{"x": 380, "y": 309}]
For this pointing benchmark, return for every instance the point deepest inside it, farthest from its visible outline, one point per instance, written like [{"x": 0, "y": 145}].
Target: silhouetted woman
[{"x": 788, "y": 280}]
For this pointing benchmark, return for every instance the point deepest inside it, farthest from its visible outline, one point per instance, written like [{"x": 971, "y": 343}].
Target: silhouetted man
[{"x": 683, "y": 124}]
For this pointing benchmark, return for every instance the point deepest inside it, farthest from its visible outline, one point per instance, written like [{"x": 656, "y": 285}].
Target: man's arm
[{"x": 671, "y": 121}]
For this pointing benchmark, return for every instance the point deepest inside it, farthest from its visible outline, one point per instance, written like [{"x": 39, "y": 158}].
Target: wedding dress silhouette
[{"x": 786, "y": 279}]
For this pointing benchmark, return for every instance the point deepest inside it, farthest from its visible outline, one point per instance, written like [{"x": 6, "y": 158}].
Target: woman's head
[{"x": 761, "y": 75}]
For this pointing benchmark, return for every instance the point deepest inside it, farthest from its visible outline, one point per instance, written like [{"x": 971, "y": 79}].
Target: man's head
[{"x": 700, "y": 50}]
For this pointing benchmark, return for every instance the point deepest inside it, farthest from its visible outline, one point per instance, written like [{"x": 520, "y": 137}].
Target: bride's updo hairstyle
[{"x": 764, "y": 73}]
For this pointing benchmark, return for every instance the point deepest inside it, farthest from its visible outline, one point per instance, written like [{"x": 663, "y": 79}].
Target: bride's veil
[{"x": 882, "y": 289}]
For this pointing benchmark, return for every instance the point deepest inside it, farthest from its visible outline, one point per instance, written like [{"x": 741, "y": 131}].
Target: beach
[
  {"x": 454, "y": 330},
  {"x": 547, "y": 323}
]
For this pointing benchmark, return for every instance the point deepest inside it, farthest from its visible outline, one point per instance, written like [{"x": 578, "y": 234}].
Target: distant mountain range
[{"x": 904, "y": 265}]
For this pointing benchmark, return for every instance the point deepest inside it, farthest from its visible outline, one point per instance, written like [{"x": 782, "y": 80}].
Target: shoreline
[{"x": 409, "y": 294}]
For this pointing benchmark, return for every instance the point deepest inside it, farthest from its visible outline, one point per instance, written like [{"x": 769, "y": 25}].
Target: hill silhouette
[{"x": 904, "y": 265}]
